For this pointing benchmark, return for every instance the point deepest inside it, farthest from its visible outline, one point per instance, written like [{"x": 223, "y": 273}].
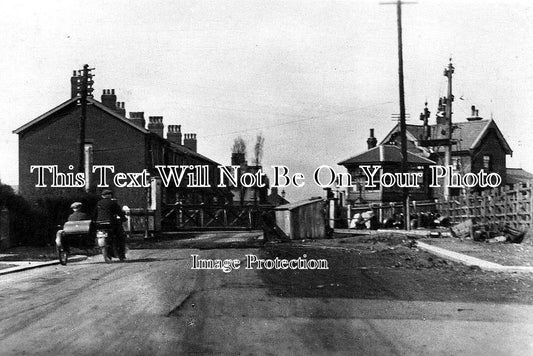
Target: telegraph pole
[
  {"x": 403, "y": 128},
  {"x": 448, "y": 72},
  {"x": 83, "y": 90}
]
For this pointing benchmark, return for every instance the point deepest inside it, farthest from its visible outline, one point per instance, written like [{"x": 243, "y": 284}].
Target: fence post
[
  {"x": 530, "y": 191},
  {"x": 156, "y": 202},
  {"x": 225, "y": 210},
  {"x": 179, "y": 214}
]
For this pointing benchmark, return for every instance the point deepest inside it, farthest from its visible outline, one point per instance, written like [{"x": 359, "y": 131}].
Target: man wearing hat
[
  {"x": 77, "y": 215},
  {"x": 108, "y": 211}
]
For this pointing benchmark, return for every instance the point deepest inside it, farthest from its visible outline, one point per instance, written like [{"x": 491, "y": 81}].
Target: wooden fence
[
  {"x": 203, "y": 216},
  {"x": 510, "y": 205}
]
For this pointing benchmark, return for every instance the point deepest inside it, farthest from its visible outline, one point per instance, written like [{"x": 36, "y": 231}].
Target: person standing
[{"x": 108, "y": 211}]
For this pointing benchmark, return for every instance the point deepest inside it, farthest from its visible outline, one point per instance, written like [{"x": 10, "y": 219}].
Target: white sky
[{"x": 312, "y": 76}]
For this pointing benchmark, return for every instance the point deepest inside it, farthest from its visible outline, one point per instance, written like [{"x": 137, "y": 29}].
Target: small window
[
  {"x": 456, "y": 163},
  {"x": 487, "y": 163}
]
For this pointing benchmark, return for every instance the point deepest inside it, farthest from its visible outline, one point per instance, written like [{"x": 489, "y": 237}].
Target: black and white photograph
[{"x": 243, "y": 177}]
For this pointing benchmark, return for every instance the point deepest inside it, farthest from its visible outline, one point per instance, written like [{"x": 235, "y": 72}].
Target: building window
[
  {"x": 456, "y": 163},
  {"x": 487, "y": 163}
]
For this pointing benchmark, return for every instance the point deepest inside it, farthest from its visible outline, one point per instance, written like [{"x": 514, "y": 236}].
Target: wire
[{"x": 300, "y": 120}]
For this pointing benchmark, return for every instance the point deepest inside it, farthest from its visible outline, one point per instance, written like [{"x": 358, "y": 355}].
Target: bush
[
  {"x": 36, "y": 224},
  {"x": 52, "y": 212},
  {"x": 21, "y": 215}
]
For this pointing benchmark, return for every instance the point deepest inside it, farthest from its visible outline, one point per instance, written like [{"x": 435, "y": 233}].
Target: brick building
[
  {"x": 476, "y": 144},
  {"x": 111, "y": 138}
]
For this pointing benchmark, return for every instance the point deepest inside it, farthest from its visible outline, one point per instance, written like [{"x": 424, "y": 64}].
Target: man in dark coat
[{"x": 108, "y": 211}]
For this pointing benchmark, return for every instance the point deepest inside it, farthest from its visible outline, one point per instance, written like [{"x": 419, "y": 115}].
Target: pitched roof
[
  {"x": 182, "y": 149},
  {"x": 275, "y": 199},
  {"x": 117, "y": 115},
  {"x": 70, "y": 102},
  {"x": 385, "y": 153},
  {"x": 188, "y": 152},
  {"x": 467, "y": 134},
  {"x": 517, "y": 175},
  {"x": 44, "y": 116}
]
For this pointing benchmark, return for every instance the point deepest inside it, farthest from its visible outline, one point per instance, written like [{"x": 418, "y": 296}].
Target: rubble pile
[{"x": 491, "y": 233}]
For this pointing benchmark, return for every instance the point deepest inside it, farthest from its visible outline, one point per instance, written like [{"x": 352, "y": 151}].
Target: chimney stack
[
  {"x": 238, "y": 158},
  {"x": 138, "y": 118},
  {"x": 155, "y": 125},
  {"x": 371, "y": 141},
  {"x": 174, "y": 134},
  {"x": 121, "y": 108},
  {"x": 475, "y": 115},
  {"x": 109, "y": 99},
  {"x": 189, "y": 141}
]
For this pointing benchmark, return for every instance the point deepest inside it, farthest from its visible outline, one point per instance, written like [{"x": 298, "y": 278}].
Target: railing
[{"x": 203, "y": 216}]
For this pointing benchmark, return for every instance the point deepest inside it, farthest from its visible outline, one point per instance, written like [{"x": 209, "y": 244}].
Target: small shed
[{"x": 303, "y": 220}]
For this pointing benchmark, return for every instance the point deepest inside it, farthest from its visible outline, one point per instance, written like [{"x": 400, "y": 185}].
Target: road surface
[{"x": 155, "y": 304}]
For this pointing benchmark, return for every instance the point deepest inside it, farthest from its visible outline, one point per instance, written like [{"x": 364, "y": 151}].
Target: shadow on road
[{"x": 389, "y": 274}]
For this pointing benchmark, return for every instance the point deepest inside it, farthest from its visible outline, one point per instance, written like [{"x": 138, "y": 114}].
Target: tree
[
  {"x": 239, "y": 146},
  {"x": 258, "y": 148}
]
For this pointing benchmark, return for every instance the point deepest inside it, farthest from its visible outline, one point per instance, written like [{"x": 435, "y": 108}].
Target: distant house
[
  {"x": 110, "y": 139},
  {"x": 274, "y": 198},
  {"x": 477, "y": 144},
  {"x": 243, "y": 195},
  {"x": 388, "y": 157}
]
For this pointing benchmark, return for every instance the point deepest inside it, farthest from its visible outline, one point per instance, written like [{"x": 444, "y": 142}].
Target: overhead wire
[{"x": 315, "y": 117}]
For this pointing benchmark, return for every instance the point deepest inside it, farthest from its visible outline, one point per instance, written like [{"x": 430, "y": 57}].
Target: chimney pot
[
  {"x": 174, "y": 134},
  {"x": 138, "y": 118},
  {"x": 371, "y": 141},
  {"x": 109, "y": 99},
  {"x": 155, "y": 125},
  {"x": 190, "y": 142},
  {"x": 475, "y": 114}
]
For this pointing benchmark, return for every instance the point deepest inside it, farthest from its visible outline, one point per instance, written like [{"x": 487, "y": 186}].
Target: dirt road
[{"x": 156, "y": 304}]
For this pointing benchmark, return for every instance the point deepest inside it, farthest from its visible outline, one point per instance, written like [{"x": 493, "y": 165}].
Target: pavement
[
  {"x": 471, "y": 261},
  {"x": 26, "y": 265},
  {"x": 445, "y": 253}
]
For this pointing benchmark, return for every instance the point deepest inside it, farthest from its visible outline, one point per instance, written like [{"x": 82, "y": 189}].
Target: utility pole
[
  {"x": 448, "y": 72},
  {"x": 83, "y": 91},
  {"x": 403, "y": 128}
]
